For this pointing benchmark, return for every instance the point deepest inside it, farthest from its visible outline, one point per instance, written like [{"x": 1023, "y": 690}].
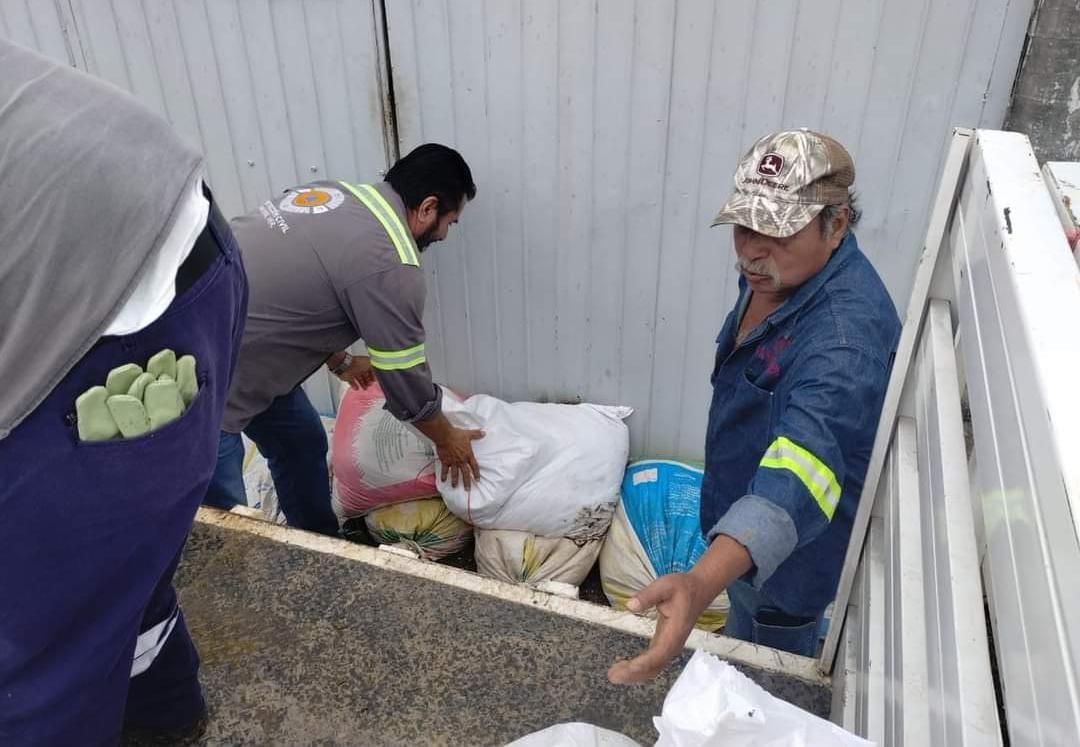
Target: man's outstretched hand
[
  {"x": 679, "y": 599},
  {"x": 679, "y": 602}
]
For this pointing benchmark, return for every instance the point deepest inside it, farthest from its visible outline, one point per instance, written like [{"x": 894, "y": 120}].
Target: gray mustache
[{"x": 760, "y": 267}]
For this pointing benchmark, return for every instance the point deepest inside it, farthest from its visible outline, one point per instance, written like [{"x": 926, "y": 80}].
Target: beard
[{"x": 427, "y": 238}]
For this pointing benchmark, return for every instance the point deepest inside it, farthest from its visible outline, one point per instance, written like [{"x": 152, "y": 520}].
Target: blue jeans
[
  {"x": 753, "y": 617},
  {"x": 290, "y": 434}
]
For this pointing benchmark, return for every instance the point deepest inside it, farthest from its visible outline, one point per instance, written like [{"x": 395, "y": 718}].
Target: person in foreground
[
  {"x": 802, "y": 364},
  {"x": 122, "y": 298}
]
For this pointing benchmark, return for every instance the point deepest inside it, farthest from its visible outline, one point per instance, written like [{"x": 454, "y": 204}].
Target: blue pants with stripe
[{"x": 91, "y": 636}]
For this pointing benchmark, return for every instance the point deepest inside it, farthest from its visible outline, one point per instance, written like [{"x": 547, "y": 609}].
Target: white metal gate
[{"x": 947, "y": 517}]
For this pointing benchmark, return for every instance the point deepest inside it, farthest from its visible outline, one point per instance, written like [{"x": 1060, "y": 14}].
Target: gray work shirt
[
  {"x": 322, "y": 273},
  {"x": 90, "y": 185}
]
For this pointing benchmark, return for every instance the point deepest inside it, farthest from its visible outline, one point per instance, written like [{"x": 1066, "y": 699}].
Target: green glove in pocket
[
  {"x": 163, "y": 363},
  {"x": 120, "y": 379},
  {"x": 133, "y": 402},
  {"x": 139, "y": 385},
  {"x": 186, "y": 379},
  {"x": 162, "y": 402},
  {"x": 129, "y": 414},
  {"x": 94, "y": 419}
]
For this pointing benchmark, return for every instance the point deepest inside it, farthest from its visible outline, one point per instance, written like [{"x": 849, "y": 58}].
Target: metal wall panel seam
[
  {"x": 191, "y": 89},
  {"x": 494, "y": 232},
  {"x": 790, "y": 51},
  {"x": 225, "y": 109},
  {"x": 123, "y": 52},
  {"x": 385, "y": 80},
  {"x": 289, "y": 129},
  {"x": 697, "y": 233},
  {"x": 621, "y": 347},
  {"x": 648, "y": 426},
  {"x": 466, "y": 291},
  {"x": 898, "y": 146},
  {"x": 308, "y": 176}
]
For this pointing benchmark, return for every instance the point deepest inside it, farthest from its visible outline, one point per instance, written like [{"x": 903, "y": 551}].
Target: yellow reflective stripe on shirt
[
  {"x": 813, "y": 473},
  {"x": 391, "y": 223},
  {"x": 397, "y": 360}
]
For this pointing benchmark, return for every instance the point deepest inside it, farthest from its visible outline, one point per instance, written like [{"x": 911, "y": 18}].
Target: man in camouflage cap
[{"x": 801, "y": 369}]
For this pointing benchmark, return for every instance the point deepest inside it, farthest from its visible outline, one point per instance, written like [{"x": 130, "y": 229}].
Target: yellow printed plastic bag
[{"x": 425, "y": 526}]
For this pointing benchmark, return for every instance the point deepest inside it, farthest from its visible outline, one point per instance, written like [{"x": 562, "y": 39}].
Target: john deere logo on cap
[
  {"x": 770, "y": 165},
  {"x": 312, "y": 201}
]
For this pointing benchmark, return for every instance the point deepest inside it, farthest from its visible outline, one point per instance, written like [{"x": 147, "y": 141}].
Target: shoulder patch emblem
[{"x": 312, "y": 201}]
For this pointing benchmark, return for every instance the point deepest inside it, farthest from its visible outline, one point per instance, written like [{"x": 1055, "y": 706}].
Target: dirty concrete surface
[{"x": 301, "y": 647}]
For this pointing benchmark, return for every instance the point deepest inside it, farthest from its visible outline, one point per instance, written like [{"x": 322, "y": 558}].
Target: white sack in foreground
[
  {"x": 713, "y": 704},
  {"x": 553, "y": 470},
  {"x": 574, "y": 734}
]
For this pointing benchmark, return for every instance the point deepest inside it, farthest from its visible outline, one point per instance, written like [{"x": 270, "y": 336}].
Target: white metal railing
[
  {"x": 916, "y": 639},
  {"x": 1018, "y": 297},
  {"x": 945, "y": 525}
]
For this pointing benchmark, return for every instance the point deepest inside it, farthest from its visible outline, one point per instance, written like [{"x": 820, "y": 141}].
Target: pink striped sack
[{"x": 377, "y": 460}]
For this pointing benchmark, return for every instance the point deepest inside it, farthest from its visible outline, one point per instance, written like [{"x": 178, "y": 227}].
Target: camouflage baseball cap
[{"x": 785, "y": 180}]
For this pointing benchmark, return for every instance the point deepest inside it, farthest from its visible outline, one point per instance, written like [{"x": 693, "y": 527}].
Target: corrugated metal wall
[
  {"x": 274, "y": 92},
  {"x": 603, "y": 136}
]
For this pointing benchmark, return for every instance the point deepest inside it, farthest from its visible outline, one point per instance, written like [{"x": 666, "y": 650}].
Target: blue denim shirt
[{"x": 791, "y": 427}]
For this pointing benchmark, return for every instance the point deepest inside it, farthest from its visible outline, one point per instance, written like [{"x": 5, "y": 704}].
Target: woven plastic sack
[
  {"x": 521, "y": 557},
  {"x": 656, "y": 531},
  {"x": 377, "y": 460},
  {"x": 426, "y": 527},
  {"x": 548, "y": 469}
]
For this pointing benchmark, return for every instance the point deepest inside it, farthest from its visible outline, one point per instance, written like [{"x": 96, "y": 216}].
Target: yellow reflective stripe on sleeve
[
  {"x": 397, "y": 360},
  {"x": 391, "y": 223},
  {"x": 401, "y": 366},
  {"x": 815, "y": 476}
]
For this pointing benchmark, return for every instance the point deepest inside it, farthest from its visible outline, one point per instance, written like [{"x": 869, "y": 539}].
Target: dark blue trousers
[
  {"x": 90, "y": 533},
  {"x": 290, "y": 434}
]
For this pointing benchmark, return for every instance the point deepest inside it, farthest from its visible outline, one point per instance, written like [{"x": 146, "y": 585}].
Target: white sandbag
[
  {"x": 521, "y": 557},
  {"x": 552, "y": 470},
  {"x": 713, "y": 704},
  {"x": 574, "y": 734}
]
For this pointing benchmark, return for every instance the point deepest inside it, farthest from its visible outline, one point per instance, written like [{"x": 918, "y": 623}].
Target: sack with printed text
[
  {"x": 377, "y": 459},
  {"x": 656, "y": 531}
]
